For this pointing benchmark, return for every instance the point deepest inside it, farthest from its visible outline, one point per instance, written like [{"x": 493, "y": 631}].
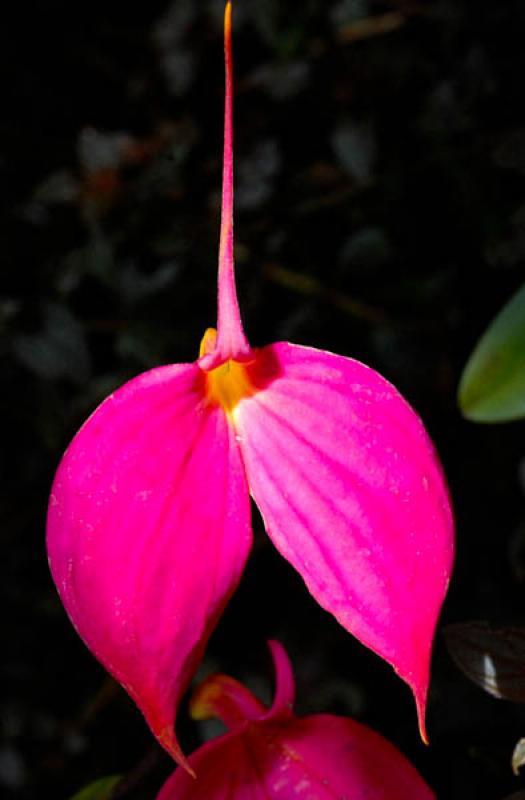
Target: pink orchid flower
[
  {"x": 149, "y": 515},
  {"x": 270, "y": 754}
]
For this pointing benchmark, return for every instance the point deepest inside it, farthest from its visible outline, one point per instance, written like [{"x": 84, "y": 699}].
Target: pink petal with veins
[
  {"x": 268, "y": 756},
  {"x": 148, "y": 533},
  {"x": 353, "y": 496}
]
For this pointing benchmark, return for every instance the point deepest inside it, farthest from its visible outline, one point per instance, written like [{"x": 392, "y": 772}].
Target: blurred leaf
[
  {"x": 13, "y": 771},
  {"x": 59, "y": 351},
  {"x": 511, "y": 249},
  {"x": 60, "y": 187},
  {"x": 139, "y": 346},
  {"x": 9, "y": 308},
  {"x": 492, "y": 387},
  {"x": 99, "y": 790},
  {"x": 178, "y": 67},
  {"x": 349, "y": 11},
  {"x": 446, "y": 112},
  {"x": 174, "y": 25},
  {"x": 99, "y": 150},
  {"x": 95, "y": 258},
  {"x": 518, "y": 757},
  {"x": 283, "y": 79},
  {"x": 354, "y": 146},
  {"x": 256, "y": 175},
  {"x": 311, "y": 287},
  {"x": 367, "y": 27},
  {"x": 264, "y": 16},
  {"x": 511, "y": 152},
  {"x": 134, "y": 285},
  {"x": 493, "y": 658},
  {"x": 366, "y": 248}
]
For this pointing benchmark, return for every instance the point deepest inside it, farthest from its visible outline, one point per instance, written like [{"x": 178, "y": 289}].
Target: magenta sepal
[
  {"x": 273, "y": 755},
  {"x": 353, "y": 496},
  {"x": 148, "y": 533}
]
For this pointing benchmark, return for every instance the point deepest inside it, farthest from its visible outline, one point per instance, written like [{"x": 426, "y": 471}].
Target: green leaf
[
  {"x": 492, "y": 387},
  {"x": 102, "y": 789},
  {"x": 59, "y": 350}
]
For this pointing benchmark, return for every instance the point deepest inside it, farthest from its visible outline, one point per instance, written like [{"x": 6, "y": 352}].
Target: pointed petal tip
[
  {"x": 418, "y": 683},
  {"x": 420, "y": 693},
  {"x": 169, "y": 742},
  {"x": 422, "y": 725}
]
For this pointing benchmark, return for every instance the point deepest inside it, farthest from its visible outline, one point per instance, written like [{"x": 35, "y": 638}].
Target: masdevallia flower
[
  {"x": 149, "y": 516},
  {"x": 270, "y": 754}
]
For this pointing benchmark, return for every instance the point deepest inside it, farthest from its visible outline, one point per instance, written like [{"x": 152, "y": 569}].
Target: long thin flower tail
[{"x": 231, "y": 343}]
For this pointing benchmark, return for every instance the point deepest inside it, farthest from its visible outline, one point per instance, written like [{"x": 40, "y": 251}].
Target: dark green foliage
[
  {"x": 492, "y": 387},
  {"x": 102, "y": 789}
]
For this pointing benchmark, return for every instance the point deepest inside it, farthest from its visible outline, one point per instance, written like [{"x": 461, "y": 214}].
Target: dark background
[{"x": 380, "y": 207}]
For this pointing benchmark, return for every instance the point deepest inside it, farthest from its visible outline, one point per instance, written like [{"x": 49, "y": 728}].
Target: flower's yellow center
[{"x": 228, "y": 384}]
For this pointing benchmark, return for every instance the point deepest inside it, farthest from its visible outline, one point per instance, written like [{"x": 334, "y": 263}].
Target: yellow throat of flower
[{"x": 228, "y": 384}]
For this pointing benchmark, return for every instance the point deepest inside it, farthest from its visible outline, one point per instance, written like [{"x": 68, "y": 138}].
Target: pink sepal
[
  {"x": 148, "y": 533},
  {"x": 352, "y": 494}
]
